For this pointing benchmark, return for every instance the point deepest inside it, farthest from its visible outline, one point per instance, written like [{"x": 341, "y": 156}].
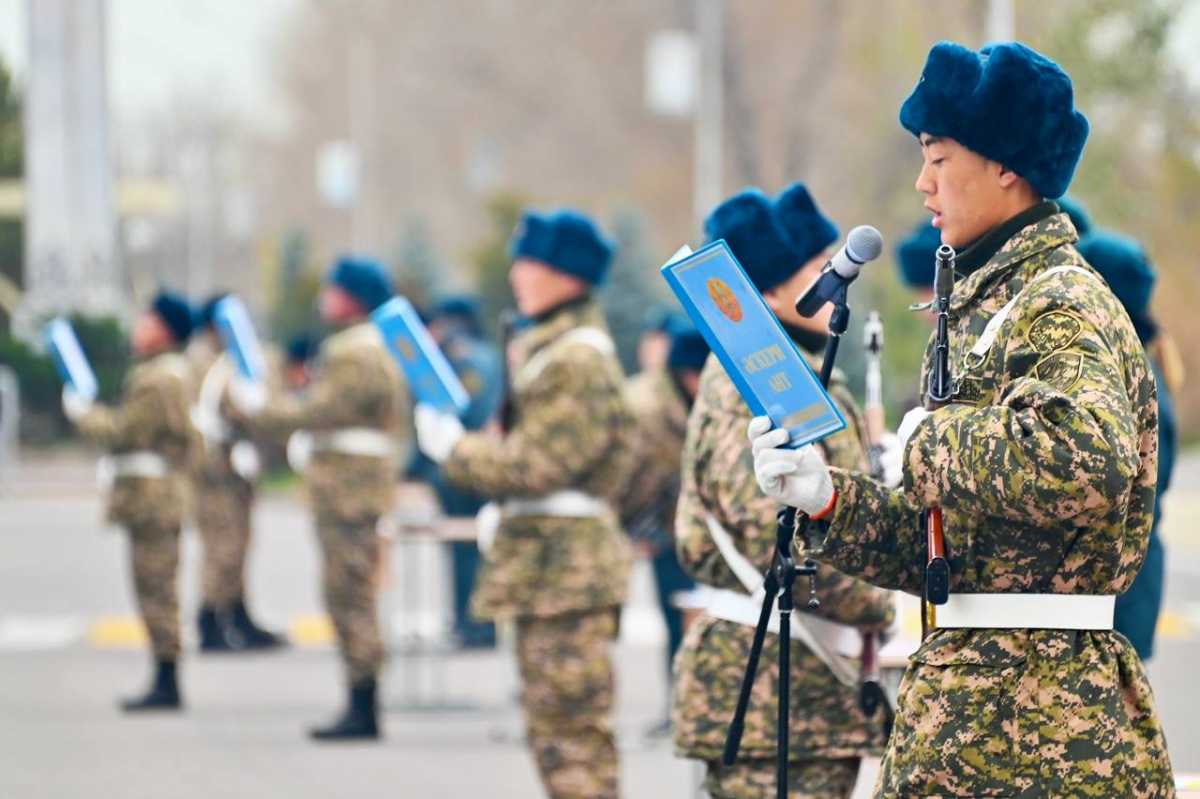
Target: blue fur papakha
[
  {"x": 915, "y": 255},
  {"x": 363, "y": 279},
  {"x": 175, "y": 313},
  {"x": 688, "y": 350},
  {"x": 566, "y": 240},
  {"x": 206, "y": 312},
  {"x": 1124, "y": 265},
  {"x": 811, "y": 231},
  {"x": 1006, "y": 102}
]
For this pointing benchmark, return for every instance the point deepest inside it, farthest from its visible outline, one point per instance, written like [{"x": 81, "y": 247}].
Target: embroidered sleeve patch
[
  {"x": 1060, "y": 370},
  {"x": 1053, "y": 331}
]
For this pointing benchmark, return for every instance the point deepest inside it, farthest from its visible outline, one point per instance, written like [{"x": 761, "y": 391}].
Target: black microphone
[{"x": 863, "y": 244}]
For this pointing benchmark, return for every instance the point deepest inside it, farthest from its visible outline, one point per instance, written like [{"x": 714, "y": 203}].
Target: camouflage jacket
[
  {"x": 718, "y": 479},
  {"x": 357, "y": 384},
  {"x": 212, "y": 371},
  {"x": 660, "y": 415},
  {"x": 153, "y": 417},
  {"x": 1045, "y": 468},
  {"x": 569, "y": 432}
]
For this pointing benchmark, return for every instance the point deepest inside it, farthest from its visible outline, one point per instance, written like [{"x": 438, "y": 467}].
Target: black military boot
[
  {"x": 163, "y": 693},
  {"x": 358, "y": 722},
  {"x": 252, "y": 636},
  {"x": 215, "y": 632}
]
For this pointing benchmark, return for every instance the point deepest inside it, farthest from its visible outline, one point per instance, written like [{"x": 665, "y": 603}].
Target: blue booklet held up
[
  {"x": 72, "y": 364},
  {"x": 432, "y": 378},
  {"x": 757, "y": 354},
  {"x": 237, "y": 334}
]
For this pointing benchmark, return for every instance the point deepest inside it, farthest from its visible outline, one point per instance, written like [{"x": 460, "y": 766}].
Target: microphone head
[{"x": 863, "y": 244}]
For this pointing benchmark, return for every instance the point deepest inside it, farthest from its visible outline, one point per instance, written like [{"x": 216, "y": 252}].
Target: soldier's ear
[{"x": 1005, "y": 176}]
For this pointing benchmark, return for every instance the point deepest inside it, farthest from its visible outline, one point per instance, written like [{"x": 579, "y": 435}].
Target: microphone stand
[{"x": 778, "y": 586}]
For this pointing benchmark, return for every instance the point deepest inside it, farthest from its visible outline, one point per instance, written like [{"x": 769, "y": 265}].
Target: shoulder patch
[
  {"x": 1060, "y": 370},
  {"x": 1053, "y": 331}
]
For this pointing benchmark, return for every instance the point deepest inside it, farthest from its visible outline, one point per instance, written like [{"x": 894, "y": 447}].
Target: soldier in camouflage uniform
[
  {"x": 151, "y": 445},
  {"x": 224, "y": 499},
  {"x": 560, "y": 563},
  {"x": 782, "y": 246},
  {"x": 351, "y": 417},
  {"x": 1043, "y": 464}
]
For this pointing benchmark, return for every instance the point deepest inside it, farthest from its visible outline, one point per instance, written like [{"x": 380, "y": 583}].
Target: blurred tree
[
  {"x": 633, "y": 287},
  {"x": 294, "y": 299},
  {"x": 490, "y": 258},
  {"x": 418, "y": 273},
  {"x": 11, "y": 166}
]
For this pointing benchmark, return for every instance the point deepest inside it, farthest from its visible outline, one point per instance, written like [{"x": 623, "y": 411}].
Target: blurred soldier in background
[
  {"x": 726, "y": 528},
  {"x": 455, "y": 325},
  {"x": 914, "y": 259},
  {"x": 224, "y": 498},
  {"x": 350, "y": 421},
  {"x": 660, "y": 399},
  {"x": 1123, "y": 263},
  {"x": 559, "y": 564},
  {"x": 655, "y": 342},
  {"x": 152, "y": 447},
  {"x": 298, "y": 362}
]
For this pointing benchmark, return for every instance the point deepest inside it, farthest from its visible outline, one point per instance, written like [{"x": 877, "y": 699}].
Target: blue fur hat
[
  {"x": 175, "y": 313},
  {"x": 203, "y": 317},
  {"x": 302, "y": 348},
  {"x": 1006, "y": 102},
  {"x": 1123, "y": 263},
  {"x": 566, "y": 240},
  {"x": 915, "y": 255},
  {"x": 688, "y": 350},
  {"x": 363, "y": 279},
  {"x": 1079, "y": 215},
  {"x": 810, "y": 230},
  {"x": 748, "y": 223}
]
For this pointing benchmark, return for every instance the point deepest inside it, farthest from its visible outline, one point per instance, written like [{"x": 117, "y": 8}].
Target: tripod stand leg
[
  {"x": 785, "y": 664},
  {"x": 733, "y": 739}
]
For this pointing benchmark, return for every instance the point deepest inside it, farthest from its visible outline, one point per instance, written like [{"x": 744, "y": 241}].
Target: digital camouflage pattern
[
  {"x": 223, "y": 498},
  {"x": 567, "y": 695},
  {"x": 152, "y": 417},
  {"x": 356, "y": 384},
  {"x": 569, "y": 431},
  {"x": 718, "y": 478},
  {"x": 1045, "y": 468},
  {"x": 807, "y": 779},
  {"x": 660, "y": 413}
]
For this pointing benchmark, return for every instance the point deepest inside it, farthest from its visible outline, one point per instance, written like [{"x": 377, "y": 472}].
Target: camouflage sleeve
[
  {"x": 1061, "y": 444},
  {"x": 335, "y": 399},
  {"x": 145, "y": 409},
  {"x": 558, "y": 436}
]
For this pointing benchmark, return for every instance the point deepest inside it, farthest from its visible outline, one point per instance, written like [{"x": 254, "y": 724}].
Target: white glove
[
  {"x": 487, "y": 524},
  {"x": 891, "y": 458},
  {"x": 75, "y": 406},
  {"x": 795, "y": 477},
  {"x": 908, "y": 426},
  {"x": 244, "y": 458},
  {"x": 299, "y": 450},
  {"x": 248, "y": 396},
  {"x": 437, "y": 432}
]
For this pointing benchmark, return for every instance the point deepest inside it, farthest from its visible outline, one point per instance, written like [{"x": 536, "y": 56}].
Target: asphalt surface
[{"x": 70, "y": 646}]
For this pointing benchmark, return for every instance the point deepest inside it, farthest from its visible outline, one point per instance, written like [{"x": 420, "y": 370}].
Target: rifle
[
  {"x": 508, "y": 327},
  {"x": 871, "y": 694},
  {"x": 938, "y": 390}
]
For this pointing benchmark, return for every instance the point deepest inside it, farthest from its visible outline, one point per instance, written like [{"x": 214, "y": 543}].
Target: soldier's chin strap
[{"x": 778, "y": 586}]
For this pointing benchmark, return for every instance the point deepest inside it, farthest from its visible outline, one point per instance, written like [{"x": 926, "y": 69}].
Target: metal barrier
[{"x": 10, "y": 418}]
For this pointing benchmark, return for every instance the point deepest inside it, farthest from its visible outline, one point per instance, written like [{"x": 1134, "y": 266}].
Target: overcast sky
[{"x": 157, "y": 46}]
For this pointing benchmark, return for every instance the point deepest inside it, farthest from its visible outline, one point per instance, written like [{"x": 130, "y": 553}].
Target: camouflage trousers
[
  {"x": 567, "y": 694},
  {"x": 807, "y": 779},
  {"x": 154, "y": 555},
  {"x": 350, "y": 561},
  {"x": 223, "y": 519}
]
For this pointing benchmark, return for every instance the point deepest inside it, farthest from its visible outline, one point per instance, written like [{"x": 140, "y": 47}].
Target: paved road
[{"x": 69, "y": 645}]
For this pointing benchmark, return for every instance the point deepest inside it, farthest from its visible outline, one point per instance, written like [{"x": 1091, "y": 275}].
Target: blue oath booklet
[
  {"x": 241, "y": 342},
  {"x": 72, "y": 364},
  {"x": 430, "y": 375},
  {"x": 772, "y": 377}
]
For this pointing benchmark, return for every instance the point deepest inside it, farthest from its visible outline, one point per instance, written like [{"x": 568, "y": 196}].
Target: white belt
[
  {"x": 130, "y": 464},
  {"x": 1027, "y": 611},
  {"x": 569, "y": 504},
  {"x": 365, "y": 441},
  {"x": 738, "y": 607}
]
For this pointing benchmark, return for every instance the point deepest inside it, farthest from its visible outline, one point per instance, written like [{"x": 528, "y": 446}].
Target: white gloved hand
[
  {"x": 245, "y": 460},
  {"x": 437, "y": 432},
  {"x": 891, "y": 458},
  {"x": 908, "y": 425},
  {"x": 75, "y": 406},
  {"x": 795, "y": 477},
  {"x": 248, "y": 396},
  {"x": 299, "y": 450},
  {"x": 487, "y": 524}
]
